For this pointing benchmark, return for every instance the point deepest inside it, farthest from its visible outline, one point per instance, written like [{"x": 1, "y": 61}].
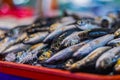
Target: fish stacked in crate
[{"x": 72, "y": 43}]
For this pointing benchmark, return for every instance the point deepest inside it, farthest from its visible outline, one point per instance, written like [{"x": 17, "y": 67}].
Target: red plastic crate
[{"x": 43, "y": 73}]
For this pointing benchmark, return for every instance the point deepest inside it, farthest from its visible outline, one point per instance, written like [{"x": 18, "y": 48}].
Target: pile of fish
[{"x": 82, "y": 44}]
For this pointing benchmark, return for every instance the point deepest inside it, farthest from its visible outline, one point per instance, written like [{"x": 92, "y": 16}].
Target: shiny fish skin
[
  {"x": 9, "y": 41},
  {"x": 10, "y": 57},
  {"x": 60, "y": 25},
  {"x": 32, "y": 52},
  {"x": 114, "y": 42},
  {"x": 87, "y": 26},
  {"x": 91, "y": 58},
  {"x": 65, "y": 53},
  {"x": 16, "y": 48},
  {"x": 58, "y": 32},
  {"x": 74, "y": 38},
  {"x": 35, "y": 38},
  {"x": 108, "y": 58},
  {"x": 94, "y": 33},
  {"x": 92, "y": 45}
]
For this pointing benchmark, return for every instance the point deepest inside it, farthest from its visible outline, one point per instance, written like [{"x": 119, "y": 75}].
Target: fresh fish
[
  {"x": 10, "y": 57},
  {"x": 94, "y": 33},
  {"x": 37, "y": 29},
  {"x": 91, "y": 58},
  {"x": 58, "y": 32},
  {"x": 56, "y": 66},
  {"x": 9, "y": 41},
  {"x": 60, "y": 25},
  {"x": 16, "y": 48},
  {"x": 65, "y": 53},
  {"x": 108, "y": 58},
  {"x": 35, "y": 38},
  {"x": 92, "y": 45},
  {"x": 57, "y": 41},
  {"x": 117, "y": 66},
  {"x": 74, "y": 38},
  {"x": 114, "y": 42},
  {"x": 32, "y": 52},
  {"x": 86, "y": 24}
]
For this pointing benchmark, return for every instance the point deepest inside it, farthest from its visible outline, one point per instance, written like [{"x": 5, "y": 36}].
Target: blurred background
[
  {"x": 25, "y": 8},
  {"x": 30, "y": 9}
]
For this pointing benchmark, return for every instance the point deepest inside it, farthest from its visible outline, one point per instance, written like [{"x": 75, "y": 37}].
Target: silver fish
[
  {"x": 16, "y": 48},
  {"x": 35, "y": 38},
  {"x": 10, "y": 57},
  {"x": 9, "y": 41},
  {"x": 108, "y": 58},
  {"x": 91, "y": 58},
  {"x": 114, "y": 42},
  {"x": 32, "y": 52},
  {"x": 60, "y": 25},
  {"x": 74, "y": 38},
  {"x": 88, "y": 26},
  {"x": 92, "y": 45},
  {"x": 58, "y": 32},
  {"x": 65, "y": 53}
]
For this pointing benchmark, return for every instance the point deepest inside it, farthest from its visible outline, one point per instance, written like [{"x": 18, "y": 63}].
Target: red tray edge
[{"x": 6, "y": 66}]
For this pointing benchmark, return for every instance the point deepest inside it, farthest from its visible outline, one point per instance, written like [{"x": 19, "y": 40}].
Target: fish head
[{"x": 105, "y": 63}]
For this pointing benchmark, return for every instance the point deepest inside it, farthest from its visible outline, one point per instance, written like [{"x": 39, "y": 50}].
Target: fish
[
  {"x": 107, "y": 59},
  {"x": 54, "y": 66},
  {"x": 10, "y": 57},
  {"x": 32, "y": 52},
  {"x": 57, "y": 41},
  {"x": 35, "y": 38},
  {"x": 9, "y": 41},
  {"x": 16, "y": 48},
  {"x": 114, "y": 42},
  {"x": 92, "y": 45},
  {"x": 94, "y": 33},
  {"x": 74, "y": 38},
  {"x": 65, "y": 53},
  {"x": 37, "y": 29},
  {"x": 58, "y": 32},
  {"x": 86, "y": 24},
  {"x": 60, "y": 24},
  {"x": 117, "y": 66},
  {"x": 91, "y": 58}
]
